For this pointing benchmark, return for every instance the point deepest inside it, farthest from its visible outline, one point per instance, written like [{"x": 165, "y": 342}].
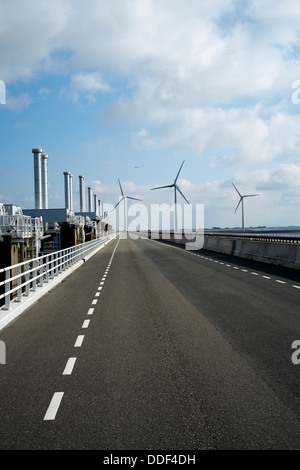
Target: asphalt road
[{"x": 148, "y": 346}]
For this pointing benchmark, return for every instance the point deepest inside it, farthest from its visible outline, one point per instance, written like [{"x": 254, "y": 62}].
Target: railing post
[
  {"x": 47, "y": 268},
  {"x": 26, "y": 279},
  {"x": 7, "y": 289},
  {"x": 51, "y": 275},
  {"x": 64, "y": 257},
  {"x": 34, "y": 275},
  {"x": 57, "y": 261},
  {"x": 19, "y": 282},
  {"x": 41, "y": 273}
]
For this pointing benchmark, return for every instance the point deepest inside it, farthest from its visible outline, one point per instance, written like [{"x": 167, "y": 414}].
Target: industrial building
[{"x": 28, "y": 233}]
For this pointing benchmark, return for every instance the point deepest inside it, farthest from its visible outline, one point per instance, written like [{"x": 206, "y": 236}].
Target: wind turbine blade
[
  {"x": 161, "y": 187},
  {"x": 118, "y": 203},
  {"x": 121, "y": 188},
  {"x": 236, "y": 190},
  {"x": 250, "y": 195},
  {"x": 238, "y": 204},
  {"x": 181, "y": 194},
  {"x": 134, "y": 198},
  {"x": 178, "y": 172}
]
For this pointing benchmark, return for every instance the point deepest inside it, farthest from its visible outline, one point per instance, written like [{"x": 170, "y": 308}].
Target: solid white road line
[
  {"x": 53, "y": 407},
  {"x": 69, "y": 366}
]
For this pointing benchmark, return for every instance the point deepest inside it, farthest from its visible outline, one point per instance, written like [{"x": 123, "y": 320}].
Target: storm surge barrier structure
[{"x": 25, "y": 282}]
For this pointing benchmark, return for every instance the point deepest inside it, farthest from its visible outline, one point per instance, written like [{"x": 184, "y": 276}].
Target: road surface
[{"x": 148, "y": 346}]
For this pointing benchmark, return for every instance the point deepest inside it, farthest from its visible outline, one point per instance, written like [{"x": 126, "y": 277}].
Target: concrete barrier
[
  {"x": 280, "y": 254},
  {"x": 277, "y": 253}
]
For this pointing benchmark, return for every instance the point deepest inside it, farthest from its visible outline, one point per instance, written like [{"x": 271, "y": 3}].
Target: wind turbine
[
  {"x": 124, "y": 199},
  {"x": 242, "y": 201},
  {"x": 176, "y": 188}
]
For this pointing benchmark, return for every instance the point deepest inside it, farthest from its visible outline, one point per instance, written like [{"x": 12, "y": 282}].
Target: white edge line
[{"x": 53, "y": 407}]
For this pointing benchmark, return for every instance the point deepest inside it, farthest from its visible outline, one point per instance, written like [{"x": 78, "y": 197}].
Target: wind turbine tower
[
  {"x": 242, "y": 201},
  {"x": 123, "y": 198},
  {"x": 176, "y": 188}
]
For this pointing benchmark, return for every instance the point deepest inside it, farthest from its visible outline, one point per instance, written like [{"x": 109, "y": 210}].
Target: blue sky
[{"x": 130, "y": 88}]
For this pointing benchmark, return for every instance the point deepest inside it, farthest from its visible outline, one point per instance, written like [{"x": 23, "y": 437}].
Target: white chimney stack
[
  {"x": 44, "y": 178},
  {"x": 37, "y": 177},
  {"x": 82, "y": 193},
  {"x": 71, "y": 191},
  {"x": 67, "y": 189},
  {"x": 90, "y": 197}
]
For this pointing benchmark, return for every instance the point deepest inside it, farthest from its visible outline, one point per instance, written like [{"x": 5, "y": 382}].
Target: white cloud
[
  {"x": 242, "y": 135},
  {"x": 18, "y": 103},
  {"x": 210, "y": 76},
  {"x": 88, "y": 84},
  {"x": 44, "y": 91},
  {"x": 29, "y": 33}
]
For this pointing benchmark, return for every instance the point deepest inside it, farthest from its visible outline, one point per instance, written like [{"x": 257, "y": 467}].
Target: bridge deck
[{"x": 147, "y": 346}]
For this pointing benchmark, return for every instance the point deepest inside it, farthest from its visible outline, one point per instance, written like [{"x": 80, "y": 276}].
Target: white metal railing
[
  {"x": 23, "y": 278},
  {"x": 20, "y": 226}
]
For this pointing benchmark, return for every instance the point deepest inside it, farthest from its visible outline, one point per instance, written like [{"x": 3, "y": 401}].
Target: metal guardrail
[
  {"x": 23, "y": 278},
  {"x": 256, "y": 237}
]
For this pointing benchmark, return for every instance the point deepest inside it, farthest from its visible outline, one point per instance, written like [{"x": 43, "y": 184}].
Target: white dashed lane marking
[
  {"x": 69, "y": 366},
  {"x": 85, "y": 324},
  {"x": 79, "y": 341},
  {"x": 57, "y": 396},
  {"x": 234, "y": 267},
  {"x": 53, "y": 407}
]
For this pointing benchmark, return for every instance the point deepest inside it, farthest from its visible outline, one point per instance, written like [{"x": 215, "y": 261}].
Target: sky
[{"x": 130, "y": 89}]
